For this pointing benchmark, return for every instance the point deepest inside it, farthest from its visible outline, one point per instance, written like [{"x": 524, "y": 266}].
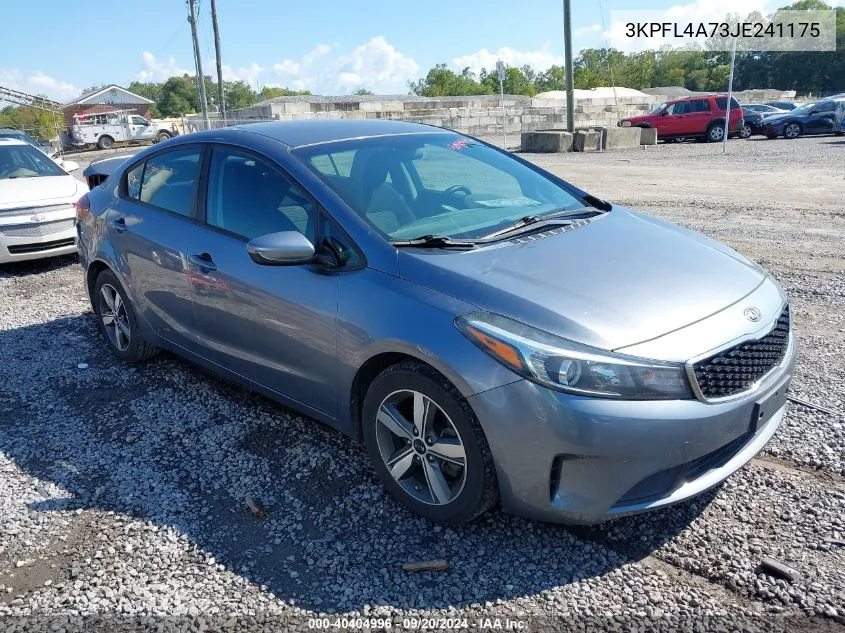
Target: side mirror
[
  {"x": 69, "y": 165},
  {"x": 664, "y": 112},
  {"x": 287, "y": 248}
]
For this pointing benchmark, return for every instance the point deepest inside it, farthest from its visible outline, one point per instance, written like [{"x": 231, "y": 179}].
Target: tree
[
  {"x": 268, "y": 92},
  {"x": 441, "y": 82},
  {"x": 34, "y": 121},
  {"x": 363, "y": 92}
]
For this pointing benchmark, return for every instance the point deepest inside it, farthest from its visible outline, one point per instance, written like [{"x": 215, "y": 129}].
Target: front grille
[
  {"x": 23, "y": 249},
  {"x": 37, "y": 229},
  {"x": 735, "y": 370},
  {"x": 33, "y": 210}
]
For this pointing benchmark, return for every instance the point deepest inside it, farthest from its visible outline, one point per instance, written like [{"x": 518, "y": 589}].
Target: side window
[
  {"x": 700, "y": 105},
  {"x": 168, "y": 181},
  {"x": 828, "y": 106},
  {"x": 249, "y": 197},
  {"x": 337, "y": 164},
  {"x": 678, "y": 108},
  {"x": 133, "y": 182},
  {"x": 722, "y": 102},
  {"x": 139, "y": 120}
]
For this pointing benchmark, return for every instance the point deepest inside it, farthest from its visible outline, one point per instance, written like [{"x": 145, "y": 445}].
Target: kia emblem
[{"x": 752, "y": 314}]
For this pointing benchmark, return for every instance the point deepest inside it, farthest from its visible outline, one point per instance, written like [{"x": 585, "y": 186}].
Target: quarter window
[
  {"x": 166, "y": 181},
  {"x": 249, "y": 197}
]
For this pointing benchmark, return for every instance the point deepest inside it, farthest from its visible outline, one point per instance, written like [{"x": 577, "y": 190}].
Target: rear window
[{"x": 722, "y": 102}]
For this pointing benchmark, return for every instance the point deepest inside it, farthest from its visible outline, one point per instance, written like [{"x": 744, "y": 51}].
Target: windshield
[
  {"x": 434, "y": 184},
  {"x": 803, "y": 109},
  {"x": 658, "y": 108},
  {"x": 24, "y": 161}
]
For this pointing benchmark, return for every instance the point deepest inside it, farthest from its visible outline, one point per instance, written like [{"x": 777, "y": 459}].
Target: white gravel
[{"x": 122, "y": 488}]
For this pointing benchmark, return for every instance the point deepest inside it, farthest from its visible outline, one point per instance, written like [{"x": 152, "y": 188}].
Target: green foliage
[
  {"x": 271, "y": 93},
  {"x": 363, "y": 92},
  {"x": 442, "y": 82},
  {"x": 34, "y": 121}
]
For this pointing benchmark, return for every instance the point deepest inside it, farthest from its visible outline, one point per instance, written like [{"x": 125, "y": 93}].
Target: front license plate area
[{"x": 764, "y": 409}]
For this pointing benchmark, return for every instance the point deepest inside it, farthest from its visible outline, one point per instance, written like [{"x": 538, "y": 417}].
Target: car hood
[
  {"x": 622, "y": 279},
  {"x": 15, "y": 192},
  {"x": 780, "y": 118}
]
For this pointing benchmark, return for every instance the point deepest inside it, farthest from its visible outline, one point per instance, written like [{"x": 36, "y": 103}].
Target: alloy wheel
[
  {"x": 793, "y": 130},
  {"x": 114, "y": 317},
  {"x": 746, "y": 131},
  {"x": 421, "y": 447},
  {"x": 717, "y": 133}
]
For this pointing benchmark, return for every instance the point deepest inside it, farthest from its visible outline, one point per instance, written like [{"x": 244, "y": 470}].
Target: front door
[
  {"x": 275, "y": 325},
  {"x": 672, "y": 123},
  {"x": 150, "y": 225}
]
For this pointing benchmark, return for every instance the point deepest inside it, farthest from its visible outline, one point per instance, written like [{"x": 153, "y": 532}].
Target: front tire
[
  {"x": 117, "y": 322},
  {"x": 792, "y": 130},
  {"x": 427, "y": 446},
  {"x": 745, "y": 132},
  {"x": 162, "y": 136}
]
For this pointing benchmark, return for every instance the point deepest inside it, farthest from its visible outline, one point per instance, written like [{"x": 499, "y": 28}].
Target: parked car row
[{"x": 703, "y": 117}]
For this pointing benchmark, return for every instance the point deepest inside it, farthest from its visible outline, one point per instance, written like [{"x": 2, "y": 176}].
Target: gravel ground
[{"x": 122, "y": 488}]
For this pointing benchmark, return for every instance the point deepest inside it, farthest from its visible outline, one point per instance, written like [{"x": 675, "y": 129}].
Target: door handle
[
  {"x": 119, "y": 224},
  {"x": 203, "y": 261}
]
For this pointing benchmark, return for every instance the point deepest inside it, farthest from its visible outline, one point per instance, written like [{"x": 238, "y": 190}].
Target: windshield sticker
[
  {"x": 459, "y": 144},
  {"x": 509, "y": 202}
]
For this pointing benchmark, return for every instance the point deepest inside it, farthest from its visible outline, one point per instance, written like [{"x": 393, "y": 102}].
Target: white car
[{"x": 37, "y": 198}]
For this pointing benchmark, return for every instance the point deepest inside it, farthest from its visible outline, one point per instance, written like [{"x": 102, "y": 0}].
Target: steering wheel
[{"x": 458, "y": 189}]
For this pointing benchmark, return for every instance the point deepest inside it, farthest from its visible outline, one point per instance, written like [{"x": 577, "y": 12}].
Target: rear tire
[
  {"x": 443, "y": 471},
  {"x": 162, "y": 136},
  {"x": 117, "y": 322},
  {"x": 105, "y": 142},
  {"x": 716, "y": 132}
]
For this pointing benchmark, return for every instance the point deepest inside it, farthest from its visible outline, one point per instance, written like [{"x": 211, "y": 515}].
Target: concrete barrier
[
  {"x": 546, "y": 141},
  {"x": 585, "y": 141},
  {"x": 648, "y": 136},
  {"x": 621, "y": 137}
]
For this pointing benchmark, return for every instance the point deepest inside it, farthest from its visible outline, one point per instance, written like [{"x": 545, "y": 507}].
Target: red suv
[{"x": 702, "y": 117}]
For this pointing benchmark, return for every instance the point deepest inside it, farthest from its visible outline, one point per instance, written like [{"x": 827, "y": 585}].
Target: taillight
[{"x": 83, "y": 208}]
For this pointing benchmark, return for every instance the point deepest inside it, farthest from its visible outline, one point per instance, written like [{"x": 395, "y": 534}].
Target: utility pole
[
  {"x": 198, "y": 62},
  {"x": 570, "y": 82},
  {"x": 219, "y": 61},
  {"x": 500, "y": 69},
  {"x": 730, "y": 96}
]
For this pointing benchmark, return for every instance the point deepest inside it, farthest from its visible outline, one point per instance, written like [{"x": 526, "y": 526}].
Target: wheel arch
[{"x": 375, "y": 365}]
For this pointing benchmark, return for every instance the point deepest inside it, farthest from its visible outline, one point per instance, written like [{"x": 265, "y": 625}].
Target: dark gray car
[{"x": 487, "y": 329}]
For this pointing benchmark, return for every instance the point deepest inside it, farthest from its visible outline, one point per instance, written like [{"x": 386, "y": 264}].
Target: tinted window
[
  {"x": 681, "y": 107},
  {"x": 699, "y": 105},
  {"x": 249, "y": 197},
  {"x": 722, "y": 102},
  {"x": 331, "y": 235},
  {"x": 827, "y": 106},
  {"x": 168, "y": 181},
  {"x": 133, "y": 181}
]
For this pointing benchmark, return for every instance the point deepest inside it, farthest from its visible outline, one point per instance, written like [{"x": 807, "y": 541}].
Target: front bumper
[
  {"x": 22, "y": 238},
  {"x": 572, "y": 459}
]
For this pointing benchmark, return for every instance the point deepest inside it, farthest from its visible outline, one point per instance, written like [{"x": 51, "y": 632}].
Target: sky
[{"x": 328, "y": 47}]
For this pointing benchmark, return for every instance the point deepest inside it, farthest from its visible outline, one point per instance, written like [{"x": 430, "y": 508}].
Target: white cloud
[
  {"x": 539, "y": 60},
  {"x": 583, "y": 31},
  {"x": 38, "y": 84},
  {"x": 160, "y": 69},
  {"x": 376, "y": 65},
  {"x": 249, "y": 74}
]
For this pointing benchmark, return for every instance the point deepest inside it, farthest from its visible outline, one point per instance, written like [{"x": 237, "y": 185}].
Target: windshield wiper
[
  {"x": 434, "y": 241},
  {"x": 528, "y": 220}
]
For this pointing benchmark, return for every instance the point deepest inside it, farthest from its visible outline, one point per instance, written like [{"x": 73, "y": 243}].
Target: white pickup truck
[{"x": 104, "y": 129}]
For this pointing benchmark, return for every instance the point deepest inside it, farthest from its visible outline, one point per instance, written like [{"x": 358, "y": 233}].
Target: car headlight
[
  {"x": 571, "y": 367},
  {"x": 625, "y": 124}
]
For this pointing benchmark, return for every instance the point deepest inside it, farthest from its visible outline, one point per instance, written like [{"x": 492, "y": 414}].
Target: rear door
[
  {"x": 697, "y": 118},
  {"x": 275, "y": 325},
  {"x": 150, "y": 227}
]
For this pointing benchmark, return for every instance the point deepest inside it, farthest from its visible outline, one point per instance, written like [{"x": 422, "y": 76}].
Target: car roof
[{"x": 301, "y": 133}]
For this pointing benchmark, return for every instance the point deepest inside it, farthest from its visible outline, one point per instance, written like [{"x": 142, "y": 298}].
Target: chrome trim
[{"x": 689, "y": 366}]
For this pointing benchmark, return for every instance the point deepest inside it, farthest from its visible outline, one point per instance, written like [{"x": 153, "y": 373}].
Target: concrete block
[
  {"x": 621, "y": 137},
  {"x": 546, "y": 141},
  {"x": 585, "y": 141},
  {"x": 296, "y": 107},
  {"x": 371, "y": 106},
  {"x": 648, "y": 136}
]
